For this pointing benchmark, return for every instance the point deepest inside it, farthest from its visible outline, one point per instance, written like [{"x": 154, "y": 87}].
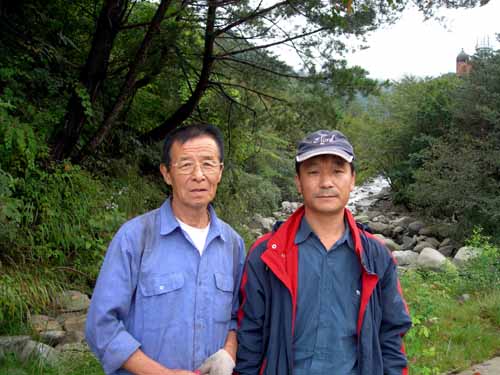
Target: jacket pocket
[{"x": 224, "y": 297}]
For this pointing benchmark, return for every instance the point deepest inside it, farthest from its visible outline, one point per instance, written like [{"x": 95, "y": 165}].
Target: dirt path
[{"x": 491, "y": 367}]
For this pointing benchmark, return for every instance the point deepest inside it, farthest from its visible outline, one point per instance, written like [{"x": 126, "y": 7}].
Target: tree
[
  {"x": 235, "y": 33},
  {"x": 92, "y": 76}
]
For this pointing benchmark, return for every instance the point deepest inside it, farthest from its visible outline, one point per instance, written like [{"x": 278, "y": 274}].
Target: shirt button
[{"x": 273, "y": 246}]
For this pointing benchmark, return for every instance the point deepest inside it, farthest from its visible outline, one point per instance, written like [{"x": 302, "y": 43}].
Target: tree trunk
[
  {"x": 186, "y": 109},
  {"x": 91, "y": 77},
  {"x": 127, "y": 88}
]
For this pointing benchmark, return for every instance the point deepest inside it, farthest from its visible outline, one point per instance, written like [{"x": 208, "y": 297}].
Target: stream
[{"x": 364, "y": 195}]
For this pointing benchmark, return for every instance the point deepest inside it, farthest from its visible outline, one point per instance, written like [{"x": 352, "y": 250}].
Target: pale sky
[{"x": 421, "y": 48}]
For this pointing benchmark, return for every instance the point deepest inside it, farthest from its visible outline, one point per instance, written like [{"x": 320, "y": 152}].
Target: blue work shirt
[
  {"x": 155, "y": 292},
  {"x": 328, "y": 299}
]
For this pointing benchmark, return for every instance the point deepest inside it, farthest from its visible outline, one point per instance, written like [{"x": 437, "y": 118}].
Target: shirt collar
[
  {"x": 168, "y": 221},
  {"x": 305, "y": 231}
]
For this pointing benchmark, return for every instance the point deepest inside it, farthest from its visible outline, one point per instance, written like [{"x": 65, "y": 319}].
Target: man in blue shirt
[
  {"x": 165, "y": 301},
  {"x": 320, "y": 296}
]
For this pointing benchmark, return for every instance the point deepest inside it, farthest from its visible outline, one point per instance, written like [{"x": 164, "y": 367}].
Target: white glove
[{"x": 219, "y": 363}]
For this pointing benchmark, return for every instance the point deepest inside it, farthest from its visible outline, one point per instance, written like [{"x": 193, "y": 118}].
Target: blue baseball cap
[{"x": 325, "y": 142}]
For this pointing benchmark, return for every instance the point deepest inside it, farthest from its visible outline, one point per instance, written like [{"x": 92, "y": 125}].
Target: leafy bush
[{"x": 457, "y": 179}]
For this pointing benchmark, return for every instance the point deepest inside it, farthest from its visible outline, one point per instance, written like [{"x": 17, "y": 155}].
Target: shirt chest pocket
[
  {"x": 157, "y": 285},
  {"x": 161, "y": 294},
  {"x": 224, "y": 287}
]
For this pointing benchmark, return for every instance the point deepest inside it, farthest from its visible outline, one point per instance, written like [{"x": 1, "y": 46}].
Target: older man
[
  {"x": 320, "y": 295},
  {"x": 165, "y": 301}
]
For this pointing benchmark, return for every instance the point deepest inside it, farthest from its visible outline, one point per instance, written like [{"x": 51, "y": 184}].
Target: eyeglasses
[{"x": 208, "y": 167}]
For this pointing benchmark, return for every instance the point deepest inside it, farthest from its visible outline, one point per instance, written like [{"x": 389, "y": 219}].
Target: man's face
[
  {"x": 195, "y": 188},
  {"x": 325, "y": 183}
]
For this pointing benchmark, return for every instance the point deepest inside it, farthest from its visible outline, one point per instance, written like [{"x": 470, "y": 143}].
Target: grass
[
  {"x": 449, "y": 334},
  {"x": 76, "y": 364}
]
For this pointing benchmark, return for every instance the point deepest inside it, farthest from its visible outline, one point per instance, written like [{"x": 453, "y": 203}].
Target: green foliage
[
  {"x": 483, "y": 271},
  {"x": 456, "y": 179},
  {"x": 76, "y": 363},
  {"x": 10, "y": 211},
  {"x": 25, "y": 290},
  {"x": 18, "y": 144},
  {"x": 448, "y": 334}
]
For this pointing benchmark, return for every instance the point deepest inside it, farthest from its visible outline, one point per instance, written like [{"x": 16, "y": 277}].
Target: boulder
[
  {"x": 397, "y": 231},
  {"x": 403, "y": 221},
  {"x": 391, "y": 245},
  {"x": 41, "y": 323},
  {"x": 75, "y": 323},
  {"x": 408, "y": 243},
  {"x": 39, "y": 352},
  {"x": 52, "y": 338},
  {"x": 421, "y": 245},
  {"x": 379, "y": 227},
  {"x": 433, "y": 242},
  {"x": 380, "y": 219},
  {"x": 447, "y": 251},
  {"x": 466, "y": 253},
  {"x": 414, "y": 227},
  {"x": 431, "y": 259},
  {"x": 426, "y": 231},
  {"x": 372, "y": 214},
  {"x": 264, "y": 224},
  {"x": 289, "y": 207},
  {"x": 362, "y": 218},
  {"x": 13, "y": 344},
  {"x": 72, "y": 300},
  {"x": 73, "y": 337},
  {"x": 73, "y": 347},
  {"x": 405, "y": 258},
  {"x": 446, "y": 242}
]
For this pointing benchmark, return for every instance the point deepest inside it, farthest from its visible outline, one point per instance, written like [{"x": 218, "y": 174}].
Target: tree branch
[
  {"x": 249, "y": 89},
  {"x": 232, "y": 100},
  {"x": 255, "y": 66},
  {"x": 249, "y": 17},
  {"x": 271, "y": 44}
]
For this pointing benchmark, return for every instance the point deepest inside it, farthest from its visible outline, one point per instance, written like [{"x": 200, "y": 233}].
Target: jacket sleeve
[
  {"x": 251, "y": 318},
  {"x": 395, "y": 323},
  {"x": 111, "y": 301}
]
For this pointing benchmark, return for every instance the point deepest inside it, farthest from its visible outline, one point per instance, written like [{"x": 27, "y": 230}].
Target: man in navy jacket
[{"x": 319, "y": 295}]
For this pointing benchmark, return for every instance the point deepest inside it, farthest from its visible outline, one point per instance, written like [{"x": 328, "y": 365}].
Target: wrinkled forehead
[{"x": 202, "y": 147}]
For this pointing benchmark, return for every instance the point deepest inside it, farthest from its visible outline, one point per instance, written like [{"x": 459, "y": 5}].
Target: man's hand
[{"x": 219, "y": 363}]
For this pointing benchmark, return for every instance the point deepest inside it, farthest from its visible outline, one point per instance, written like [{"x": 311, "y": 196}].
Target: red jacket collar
[{"x": 283, "y": 240}]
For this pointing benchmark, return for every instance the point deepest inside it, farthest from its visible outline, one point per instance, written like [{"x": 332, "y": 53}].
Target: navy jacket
[{"x": 268, "y": 304}]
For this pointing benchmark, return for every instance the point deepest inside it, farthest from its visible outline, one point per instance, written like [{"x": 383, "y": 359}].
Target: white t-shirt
[{"x": 197, "y": 235}]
